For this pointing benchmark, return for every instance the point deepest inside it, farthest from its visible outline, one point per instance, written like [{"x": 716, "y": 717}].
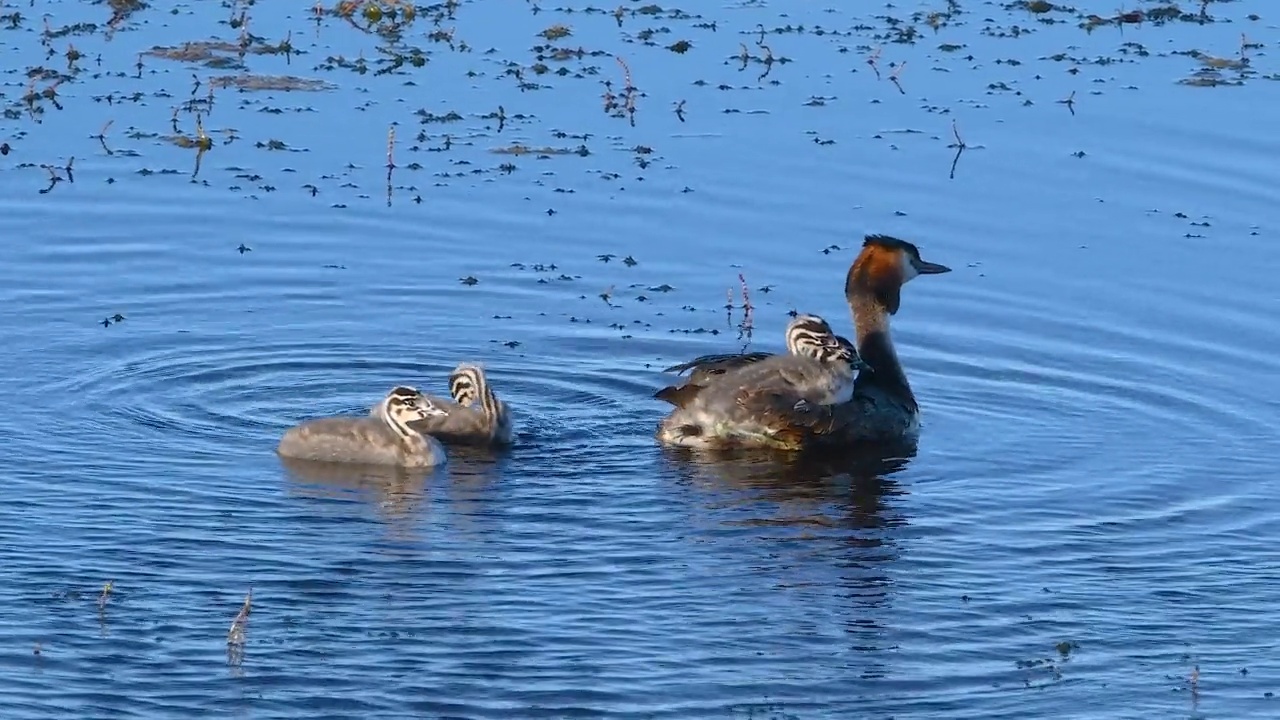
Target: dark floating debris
[
  {"x": 249, "y": 82},
  {"x": 556, "y": 32},
  {"x": 518, "y": 150},
  {"x": 243, "y": 249},
  {"x": 468, "y": 280}
]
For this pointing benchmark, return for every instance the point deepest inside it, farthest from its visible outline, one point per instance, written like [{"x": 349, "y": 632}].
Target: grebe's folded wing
[{"x": 718, "y": 364}]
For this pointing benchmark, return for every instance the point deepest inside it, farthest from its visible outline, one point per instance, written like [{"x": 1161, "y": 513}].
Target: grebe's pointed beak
[
  {"x": 430, "y": 409},
  {"x": 928, "y": 268}
]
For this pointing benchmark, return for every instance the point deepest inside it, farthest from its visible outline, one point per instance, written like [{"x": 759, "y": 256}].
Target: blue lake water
[{"x": 1087, "y": 528}]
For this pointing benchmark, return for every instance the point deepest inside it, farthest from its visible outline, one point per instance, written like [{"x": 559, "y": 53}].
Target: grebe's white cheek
[{"x": 909, "y": 270}]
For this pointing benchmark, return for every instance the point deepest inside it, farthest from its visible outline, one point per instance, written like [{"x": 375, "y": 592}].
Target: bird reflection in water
[
  {"x": 817, "y": 528},
  {"x": 839, "y": 490},
  {"x": 399, "y": 495}
]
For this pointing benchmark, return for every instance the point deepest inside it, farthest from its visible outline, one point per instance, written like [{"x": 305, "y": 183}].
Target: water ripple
[{"x": 1088, "y": 518}]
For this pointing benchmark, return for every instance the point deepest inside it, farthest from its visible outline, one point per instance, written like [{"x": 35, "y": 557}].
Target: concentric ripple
[
  {"x": 213, "y": 396},
  {"x": 1087, "y": 528}
]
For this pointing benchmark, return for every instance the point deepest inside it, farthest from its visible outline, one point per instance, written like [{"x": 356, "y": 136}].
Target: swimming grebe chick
[
  {"x": 771, "y": 403},
  {"x": 383, "y": 438},
  {"x": 473, "y": 416}
]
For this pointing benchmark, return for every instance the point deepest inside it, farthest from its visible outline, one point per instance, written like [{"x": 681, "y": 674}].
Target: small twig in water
[
  {"x": 102, "y": 137},
  {"x": 1070, "y": 102},
  {"x": 628, "y": 92},
  {"x": 748, "y": 311},
  {"x": 610, "y": 100},
  {"x": 236, "y": 635},
  {"x": 894, "y": 76},
  {"x": 871, "y": 60},
  {"x": 244, "y": 35},
  {"x": 106, "y": 594},
  {"x": 767, "y": 60},
  {"x": 55, "y": 178},
  {"x": 680, "y": 110},
  {"x": 391, "y": 161},
  {"x": 959, "y": 146}
]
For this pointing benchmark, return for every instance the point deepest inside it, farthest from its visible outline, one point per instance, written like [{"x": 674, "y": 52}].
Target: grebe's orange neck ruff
[{"x": 873, "y": 289}]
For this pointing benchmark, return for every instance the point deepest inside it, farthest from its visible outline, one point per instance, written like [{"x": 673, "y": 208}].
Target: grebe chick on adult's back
[{"x": 806, "y": 335}]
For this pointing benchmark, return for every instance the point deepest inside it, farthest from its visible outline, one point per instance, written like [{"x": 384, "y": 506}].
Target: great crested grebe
[
  {"x": 474, "y": 416},
  {"x": 384, "y": 438},
  {"x": 792, "y": 403},
  {"x": 806, "y": 335}
]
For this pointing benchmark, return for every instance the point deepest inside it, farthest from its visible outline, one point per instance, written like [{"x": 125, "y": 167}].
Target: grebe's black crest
[
  {"x": 890, "y": 242},
  {"x": 405, "y": 394}
]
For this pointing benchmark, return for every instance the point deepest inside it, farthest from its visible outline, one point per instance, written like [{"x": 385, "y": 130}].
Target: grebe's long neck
[
  {"x": 875, "y": 346},
  {"x": 492, "y": 408}
]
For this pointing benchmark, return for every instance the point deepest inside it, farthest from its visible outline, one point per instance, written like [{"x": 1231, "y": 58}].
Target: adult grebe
[{"x": 790, "y": 402}]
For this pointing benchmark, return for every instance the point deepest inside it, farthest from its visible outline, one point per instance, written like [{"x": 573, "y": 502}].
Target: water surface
[{"x": 1087, "y": 528}]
